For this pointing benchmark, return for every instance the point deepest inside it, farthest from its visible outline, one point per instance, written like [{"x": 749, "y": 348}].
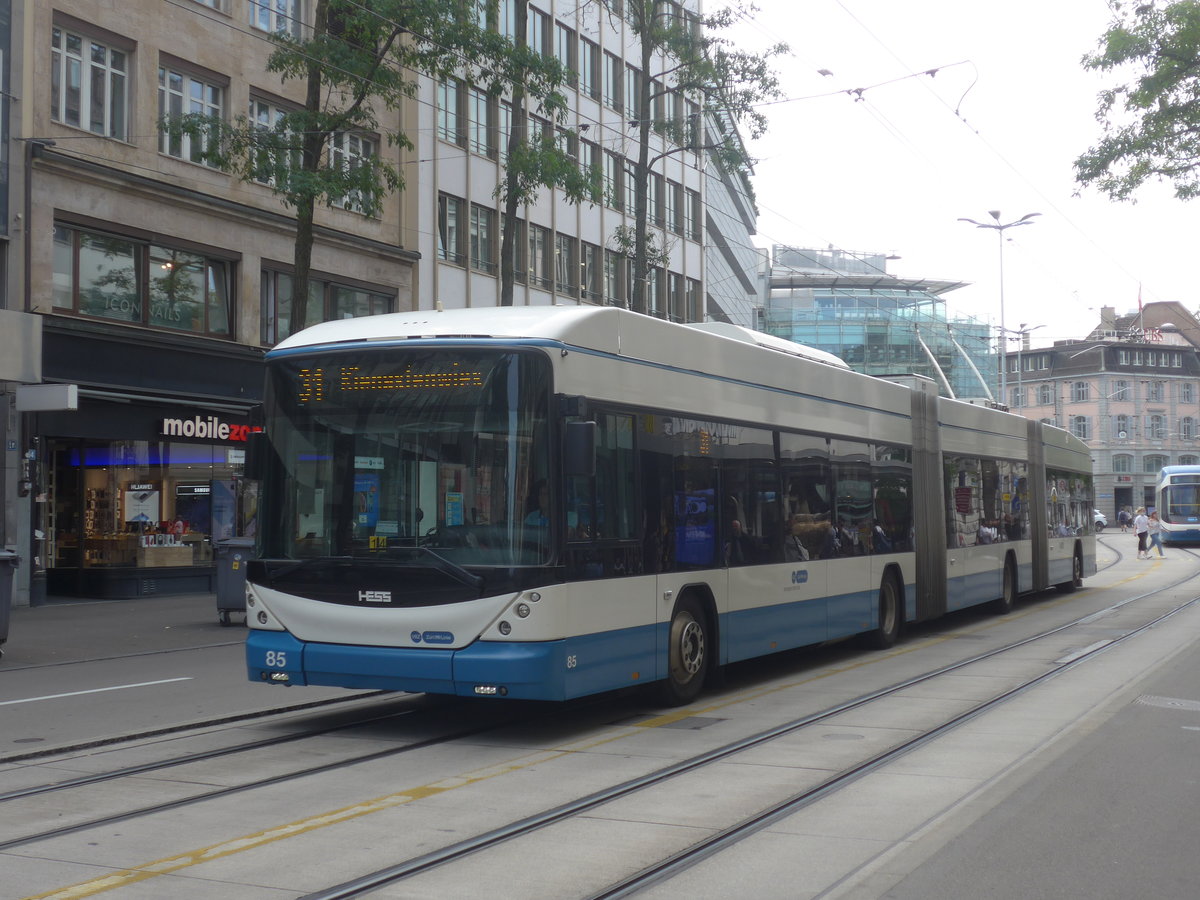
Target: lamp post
[{"x": 1001, "y": 227}]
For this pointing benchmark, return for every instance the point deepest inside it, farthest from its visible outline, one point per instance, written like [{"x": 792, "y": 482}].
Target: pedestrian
[
  {"x": 1123, "y": 519},
  {"x": 1141, "y": 527},
  {"x": 1154, "y": 532}
]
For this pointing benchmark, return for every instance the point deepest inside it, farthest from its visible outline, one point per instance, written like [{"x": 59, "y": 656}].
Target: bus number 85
[{"x": 276, "y": 659}]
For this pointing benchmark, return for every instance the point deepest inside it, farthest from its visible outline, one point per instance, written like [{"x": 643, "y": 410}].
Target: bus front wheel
[{"x": 687, "y": 654}]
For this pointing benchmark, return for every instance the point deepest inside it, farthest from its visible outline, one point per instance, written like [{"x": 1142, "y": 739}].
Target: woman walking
[
  {"x": 1154, "y": 534},
  {"x": 1141, "y": 527}
]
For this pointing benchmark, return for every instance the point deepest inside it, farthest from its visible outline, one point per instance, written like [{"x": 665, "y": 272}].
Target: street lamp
[{"x": 1001, "y": 227}]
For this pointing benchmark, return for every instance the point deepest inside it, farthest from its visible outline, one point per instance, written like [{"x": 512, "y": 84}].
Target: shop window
[
  {"x": 143, "y": 504},
  {"x": 112, "y": 277},
  {"x": 327, "y": 300}
]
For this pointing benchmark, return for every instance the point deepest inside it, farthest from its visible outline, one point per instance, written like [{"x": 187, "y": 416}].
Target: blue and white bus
[
  {"x": 556, "y": 501},
  {"x": 1177, "y": 497}
]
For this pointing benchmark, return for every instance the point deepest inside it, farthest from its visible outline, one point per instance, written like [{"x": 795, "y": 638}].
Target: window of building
[
  {"x": 676, "y": 310},
  {"x": 566, "y": 266},
  {"x": 633, "y": 90},
  {"x": 693, "y": 213},
  {"x": 1187, "y": 459},
  {"x": 589, "y": 157},
  {"x": 1081, "y": 391},
  {"x": 565, "y": 51},
  {"x": 1017, "y": 397},
  {"x": 1121, "y": 427},
  {"x": 614, "y": 180},
  {"x": 540, "y": 263},
  {"x": 451, "y": 230},
  {"x": 347, "y": 153},
  {"x": 281, "y": 16},
  {"x": 612, "y": 81},
  {"x": 278, "y": 148},
  {"x": 1156, "y": 391},
  {"x": 504, "y": 129},
  {"x": 1122, "y": 462},
  {"x": 614, "y": 278},
  {"x": 538, "y": 31},
  {"x": 657, "y": 204},
  {"x": 1187, "y": 392},
  {"x": 1045, "y": 395},
  {"x": 507, "y": 19},
  {"x": 695, "y": 307},
  {"x": 88, "y": 84},
  {"x": 589, "y": 69},
  {"x": 1121, "y": 391},
  {"x": 1156, "y": 427},
  {"x": 589, "y": 271},
  {"x": 1152, "y": 463},
  {"x": 109, "y": 276},
  {"x": 482, "y": 241},
  {"x": 656, "y": 291},
  {"x": 481, "y": 126},
  {"x": 180, "y": 94},
  {"x": 674, "y": 210},
  {"x": 1187, "y": 428},
  {"x": 1081, "y": 427},
  {"x": 450, "y": 124},
  {"x": 327, "y": 300}
]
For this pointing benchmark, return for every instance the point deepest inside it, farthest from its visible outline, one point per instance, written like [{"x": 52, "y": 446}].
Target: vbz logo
[{"x": 800, "y": 576}]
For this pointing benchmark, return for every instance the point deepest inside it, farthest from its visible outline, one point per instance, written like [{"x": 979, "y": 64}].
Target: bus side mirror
[
  {"x": 579, "y": 449},
  {"x": 257, "y": 449}
]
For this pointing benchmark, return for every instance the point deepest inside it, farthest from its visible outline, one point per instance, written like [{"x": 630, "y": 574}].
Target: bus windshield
[
  {"x": 408, "y": 454},
  {"x": 1181, "y": 500}
]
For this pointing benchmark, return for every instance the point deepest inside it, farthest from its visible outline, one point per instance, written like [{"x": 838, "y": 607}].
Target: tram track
[
  {"x": 532, "y": 824},
  {"x": 763, "y": 818}
]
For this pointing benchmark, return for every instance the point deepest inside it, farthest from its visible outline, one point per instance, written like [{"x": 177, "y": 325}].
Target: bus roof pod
[{"x": 770, "y": 342}]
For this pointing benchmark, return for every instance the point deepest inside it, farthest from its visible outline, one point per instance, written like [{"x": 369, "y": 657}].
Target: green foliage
[
  {"x": 1150, "y": 121},
  {"x": 688, "y": 55}
]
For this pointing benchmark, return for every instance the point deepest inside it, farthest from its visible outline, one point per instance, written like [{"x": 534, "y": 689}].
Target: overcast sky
[{"x": 998, "y": 127}]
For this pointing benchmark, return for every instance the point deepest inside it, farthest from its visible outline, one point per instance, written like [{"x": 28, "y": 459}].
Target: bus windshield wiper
[
  {"x": 453, "y": 569},
  {"x": 310, "y": 563}
]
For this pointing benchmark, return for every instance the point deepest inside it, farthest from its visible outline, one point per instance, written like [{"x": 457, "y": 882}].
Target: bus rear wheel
[
  {"x": 1076, "y": 575},
  {"x": 1008, "y": 598},
  {"x": 891, "y": 613},
  {"x": 687, "y": 654}
]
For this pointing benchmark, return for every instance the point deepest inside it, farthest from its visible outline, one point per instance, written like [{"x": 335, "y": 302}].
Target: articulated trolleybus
[
  {"x": 555, "y": 501},
  {"x": 1178, "y": 499}
]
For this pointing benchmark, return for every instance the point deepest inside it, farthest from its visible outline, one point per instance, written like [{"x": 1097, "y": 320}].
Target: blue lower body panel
[{"x": 549, "y": 670}]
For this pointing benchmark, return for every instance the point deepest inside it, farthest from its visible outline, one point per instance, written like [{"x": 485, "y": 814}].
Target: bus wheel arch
[
  {"x": 1008, "y": 592},
  {"x": 890, "y": 610},
  {"x": 691, "y": 647}
]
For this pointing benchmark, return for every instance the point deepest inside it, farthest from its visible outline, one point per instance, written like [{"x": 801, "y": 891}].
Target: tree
[
  {"x": 357, "y": 60},
  {"x": 682, "y": 53},
  {"x": 533, "y": 161},
  {"x": 1151, "y": 124}
]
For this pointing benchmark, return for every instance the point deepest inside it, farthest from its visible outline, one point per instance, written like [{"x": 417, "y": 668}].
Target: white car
[{"x": 1099, "y": 520}]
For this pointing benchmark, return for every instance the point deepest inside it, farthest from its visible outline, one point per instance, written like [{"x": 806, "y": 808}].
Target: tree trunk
[
  {"x": 311, "y": 144},
  {"x": 517, "y": 132},
  {"x": 640, "y": 302}
]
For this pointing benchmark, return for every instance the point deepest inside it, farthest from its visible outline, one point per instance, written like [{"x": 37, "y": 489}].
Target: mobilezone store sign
[{"x": 207, "y": 427}]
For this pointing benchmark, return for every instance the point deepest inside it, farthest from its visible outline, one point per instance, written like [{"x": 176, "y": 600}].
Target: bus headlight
[
  {"x": 505, "y": 628},
  {"x": 522, "y": 610}
]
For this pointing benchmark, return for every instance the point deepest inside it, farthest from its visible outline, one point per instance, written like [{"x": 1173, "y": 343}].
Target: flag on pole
[{"x": 1139, "y": 298}]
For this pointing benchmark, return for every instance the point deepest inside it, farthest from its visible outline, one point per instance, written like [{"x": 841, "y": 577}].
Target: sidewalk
[{"x": 66, "y": 630}]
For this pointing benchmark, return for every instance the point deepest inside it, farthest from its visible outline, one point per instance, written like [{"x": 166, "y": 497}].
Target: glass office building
[{"x": 847, "y": 304}]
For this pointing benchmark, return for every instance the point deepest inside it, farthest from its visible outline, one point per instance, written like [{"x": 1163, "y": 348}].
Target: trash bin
[
  {"x": 232, "y": 556},
  {"x": 8, "y": 568}
]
